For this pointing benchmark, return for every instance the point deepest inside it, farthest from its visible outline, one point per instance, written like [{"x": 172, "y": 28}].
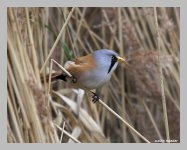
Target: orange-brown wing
[
  {"x": 81, "y": 65},
  {"x": 83, "y": 59}
]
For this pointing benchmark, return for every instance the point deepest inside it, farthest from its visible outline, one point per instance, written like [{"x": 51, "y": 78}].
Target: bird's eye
[{"x": 113, "y": 57}]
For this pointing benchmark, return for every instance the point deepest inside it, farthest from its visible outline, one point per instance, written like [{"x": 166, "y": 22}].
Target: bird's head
[{"x": 107, "y": 60}]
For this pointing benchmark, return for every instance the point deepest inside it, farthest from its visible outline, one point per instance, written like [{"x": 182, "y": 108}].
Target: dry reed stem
[
  {"x": 50, "y": 71},
  {"x": 16, "y": 126},
  {"x": 111, "y": 29},
  {"x": 69, "y": 135},
  {"x": 57, "y": 39},
  {"x": 161, "y": 79},
  {"x": 15, "y": 86},
  {"x": 120, "y": 35},
  {"x": 152, "y": 120},
  {"x": 79, "y": 28},
  {"x": 62, "y": 68},
  {"x": 35, "y": 60},
  {"x": 62, "y": 132},
  {"x": 125, "y": 122},
  {"x": 92, "y": 34}
]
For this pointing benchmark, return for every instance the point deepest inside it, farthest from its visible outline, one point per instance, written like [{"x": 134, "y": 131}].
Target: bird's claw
[
  {"x": 95, "y": 98},
  {"x": 74, "y": 79}
]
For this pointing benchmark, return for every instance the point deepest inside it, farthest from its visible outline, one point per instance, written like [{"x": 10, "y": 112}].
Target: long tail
[
  {"x": 54, "y": 77},
  {"x": 60, "y": 77}
]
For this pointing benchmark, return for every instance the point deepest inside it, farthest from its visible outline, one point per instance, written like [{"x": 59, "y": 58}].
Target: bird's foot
[
  {"x": 95, "y": 97},
  {"x": 74, "y": 79}
]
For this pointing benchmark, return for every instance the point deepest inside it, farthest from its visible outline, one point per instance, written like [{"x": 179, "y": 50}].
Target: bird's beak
[{"x": 120, "y": 59}]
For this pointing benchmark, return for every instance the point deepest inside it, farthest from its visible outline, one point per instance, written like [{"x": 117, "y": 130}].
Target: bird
[{"x": 91, "y": 71}]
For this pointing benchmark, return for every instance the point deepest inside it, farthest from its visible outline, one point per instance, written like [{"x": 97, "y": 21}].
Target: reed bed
[{"x": 141, "y": 103}]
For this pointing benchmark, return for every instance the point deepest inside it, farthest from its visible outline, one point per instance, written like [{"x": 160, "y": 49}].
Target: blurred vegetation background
[{"x": 134, "y": 92}]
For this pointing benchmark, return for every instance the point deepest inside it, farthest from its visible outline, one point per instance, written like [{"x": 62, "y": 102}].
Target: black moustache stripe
[{"x": 113, "y": 61}]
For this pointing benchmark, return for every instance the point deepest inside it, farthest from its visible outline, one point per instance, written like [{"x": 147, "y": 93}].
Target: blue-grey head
[{"x": 107, "y": 60}]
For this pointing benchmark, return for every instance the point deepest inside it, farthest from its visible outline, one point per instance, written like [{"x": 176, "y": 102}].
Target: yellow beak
[{"x": 120, "y": 59}]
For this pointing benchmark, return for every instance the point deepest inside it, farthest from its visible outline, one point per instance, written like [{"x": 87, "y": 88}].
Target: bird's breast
[{"x": 94, "y": 79}]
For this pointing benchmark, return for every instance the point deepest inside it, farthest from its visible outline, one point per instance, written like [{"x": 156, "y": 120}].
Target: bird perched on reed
[{"x": 91, "y": 71}]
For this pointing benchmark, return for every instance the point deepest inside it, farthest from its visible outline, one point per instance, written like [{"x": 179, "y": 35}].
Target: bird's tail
[{"x": 54, "y": 77}]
